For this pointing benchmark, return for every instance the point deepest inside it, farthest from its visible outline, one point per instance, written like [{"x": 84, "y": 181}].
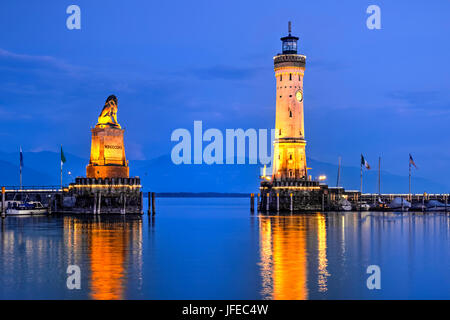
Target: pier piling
[
  {"x": 149, "y": 211},
  {"x": 292, "y": 206},
  {"x": 124, "y": 203},
  {"x": 95, "y": 203},
  {"x": 121, "y": 201},
  {"x": 3, "y": 202},
  {"x": 252, "y": 202},
  {"x": 278, "y": 202},
  {"x": 99, "y": 202},
  {"x": 258, "y": 204},
  {"x": 153, "y": 204},
  {"x": 267, "y": 202},
  {"x": 323, "y": 203},
  {"x": 50, "y": 201}
]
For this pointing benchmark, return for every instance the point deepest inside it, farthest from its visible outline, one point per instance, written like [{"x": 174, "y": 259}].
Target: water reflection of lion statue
[{"x": 108, "y": 116}]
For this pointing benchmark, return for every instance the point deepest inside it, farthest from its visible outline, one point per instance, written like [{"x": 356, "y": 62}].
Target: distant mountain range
[{"x": 161, "y": 175}]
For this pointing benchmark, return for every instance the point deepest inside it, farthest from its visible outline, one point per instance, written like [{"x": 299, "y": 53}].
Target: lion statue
[{"x": 108, "y": 116}]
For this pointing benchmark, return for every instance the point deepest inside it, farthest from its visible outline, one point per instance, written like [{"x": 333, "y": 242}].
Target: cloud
[
  {"x": 36, "y": 84},
  {"x": 328, "y": 65},
  {"x": 224, "y": 73},
  {"x": 16, "y": 60},
  {"x": 11, "y": 115},
  {"x": 431, "y": 102}
]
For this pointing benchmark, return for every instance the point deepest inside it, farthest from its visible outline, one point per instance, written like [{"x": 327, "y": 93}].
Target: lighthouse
[
  {"x": 289, "y": 160},
  {"x": 289, "y": 189}
]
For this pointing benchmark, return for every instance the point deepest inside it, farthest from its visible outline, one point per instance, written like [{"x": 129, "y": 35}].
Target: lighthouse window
[
  {"x": 298, "y": 77},
  {"x": 290, "y": 76},
  {"x": 281, "y": 77},
  {"x": 289, "y": 46},
  {"x": 290, "y": 157},
  {"x": 280, "y": 132},
  {"x": 290, "y": 114}
]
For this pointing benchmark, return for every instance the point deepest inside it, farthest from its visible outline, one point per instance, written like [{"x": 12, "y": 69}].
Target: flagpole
[
  {"x": 379, "y": 175},
  {"x": 21, "y": 168},
  {"x": 61, "y": 167},
  {"x": 410, "y": 179},
  {"x": 361, "y": 177}
]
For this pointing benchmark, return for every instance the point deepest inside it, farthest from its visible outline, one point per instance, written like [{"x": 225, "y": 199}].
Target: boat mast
[
  {"x": 21, "y": 165},
  {"x": 339, "y": 172}
]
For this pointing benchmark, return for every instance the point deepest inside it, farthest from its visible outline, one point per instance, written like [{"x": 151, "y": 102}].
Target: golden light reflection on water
[
  {"x": 322, "y": 252},
  {"x": 284, "y": 244},
  {"x": 109, "y": 247}
]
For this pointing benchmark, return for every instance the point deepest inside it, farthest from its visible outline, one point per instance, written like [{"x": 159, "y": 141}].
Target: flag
[
  {"x": 411, "y": 161},
  {"x": 364, "y": 163},
  {"x": 63, "y": 158},
  {"x": 21, "y": 158}
]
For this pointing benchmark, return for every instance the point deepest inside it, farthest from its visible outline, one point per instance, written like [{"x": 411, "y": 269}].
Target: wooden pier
[
  {"x": 49, "y": 196},
  {"x": 85, "y": 196},
  {"x": 295, "y": 195},
  {"x": 413, "y": 198}
]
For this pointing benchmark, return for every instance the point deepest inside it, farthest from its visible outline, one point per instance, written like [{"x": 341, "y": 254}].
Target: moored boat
[
  {"x": 364, "y": 206},
  {"x": 418, "y": 206},
  {"x": 345, "y": 205},
  {"x": 434, "y": 205},
  {"x": 26, "y": 208},
  {"x": 399, "y": 204}
]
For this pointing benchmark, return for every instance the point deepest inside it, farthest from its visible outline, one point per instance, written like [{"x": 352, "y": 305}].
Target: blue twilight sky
[{"x": 378, "y": 92}]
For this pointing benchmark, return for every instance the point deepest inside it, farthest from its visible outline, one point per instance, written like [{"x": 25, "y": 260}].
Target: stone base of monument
[
  {"x": 107, "y": 154},
  {"x": 110, "y": 171},
  {"x": 104, "y": 196},
  {"x": 297, "y": 195}
]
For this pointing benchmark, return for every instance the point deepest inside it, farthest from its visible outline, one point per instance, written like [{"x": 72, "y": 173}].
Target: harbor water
[{"x": 208, "y": 248}]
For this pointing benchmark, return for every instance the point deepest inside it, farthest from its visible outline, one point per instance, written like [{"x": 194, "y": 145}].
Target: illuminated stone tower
[
  {"x": 289, "y": 146},
  {"x": 107, "y": 147},
  {"x": 290, "y": 189}
]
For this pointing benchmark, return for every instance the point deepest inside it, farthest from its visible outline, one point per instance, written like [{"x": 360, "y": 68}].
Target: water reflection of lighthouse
[
  {"x": 284, "y": 245},
  {"x": 114, "y": 246}
]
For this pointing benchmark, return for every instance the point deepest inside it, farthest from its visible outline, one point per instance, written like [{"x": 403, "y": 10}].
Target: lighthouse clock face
[{"x": 299, "y": 95}]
